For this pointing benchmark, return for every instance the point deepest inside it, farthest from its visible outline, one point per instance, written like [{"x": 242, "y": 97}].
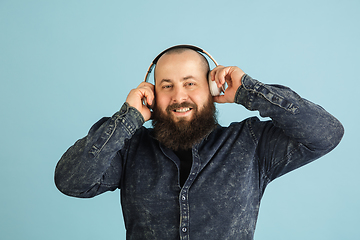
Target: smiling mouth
[{"x": 182, "y": 110}]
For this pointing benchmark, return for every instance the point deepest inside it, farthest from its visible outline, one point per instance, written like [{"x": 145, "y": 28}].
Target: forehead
[{"x": 183, "y": 62}]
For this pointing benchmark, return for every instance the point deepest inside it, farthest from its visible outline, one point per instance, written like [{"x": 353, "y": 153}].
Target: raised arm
[
  {"x": 94, "y": 163},
  {"x": 300, "y": 131}
]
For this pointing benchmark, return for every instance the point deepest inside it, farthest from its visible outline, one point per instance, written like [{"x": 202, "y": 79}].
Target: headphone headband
[{"x": 195, "y": 48}]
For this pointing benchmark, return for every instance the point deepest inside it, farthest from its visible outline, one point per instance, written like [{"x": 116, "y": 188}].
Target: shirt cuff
[{"x": 132, "y": 118}]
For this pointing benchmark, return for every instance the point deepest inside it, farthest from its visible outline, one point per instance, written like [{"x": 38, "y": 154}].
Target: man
[{"x": 188, "y": 177}]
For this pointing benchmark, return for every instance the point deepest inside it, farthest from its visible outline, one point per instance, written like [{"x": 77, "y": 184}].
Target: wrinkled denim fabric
[{"x": 231, "y": 166}]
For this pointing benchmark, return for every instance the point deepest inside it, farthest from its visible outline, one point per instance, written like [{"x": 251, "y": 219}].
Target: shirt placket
[{"x": 184, "y": 197}]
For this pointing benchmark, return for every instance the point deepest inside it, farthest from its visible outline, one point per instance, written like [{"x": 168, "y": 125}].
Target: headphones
[{"x": 212, "y": 84}]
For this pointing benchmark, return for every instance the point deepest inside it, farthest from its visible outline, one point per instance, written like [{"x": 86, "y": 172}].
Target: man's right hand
[{"x": 144, "y": 93}]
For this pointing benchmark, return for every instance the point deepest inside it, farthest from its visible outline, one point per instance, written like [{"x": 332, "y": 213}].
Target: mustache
[{"x": 181, "y": 105}]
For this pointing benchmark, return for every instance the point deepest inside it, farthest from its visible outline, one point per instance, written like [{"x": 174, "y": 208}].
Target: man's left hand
[{"x": 232, "y": 76}]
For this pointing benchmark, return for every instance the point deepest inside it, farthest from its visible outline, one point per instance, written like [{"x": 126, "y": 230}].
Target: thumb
[{"x": 220, "y": 99}]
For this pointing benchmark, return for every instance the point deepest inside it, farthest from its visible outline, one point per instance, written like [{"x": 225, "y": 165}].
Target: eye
[
  {"x": 190, "y": 84},
  {"x": 167, "y": 86}
]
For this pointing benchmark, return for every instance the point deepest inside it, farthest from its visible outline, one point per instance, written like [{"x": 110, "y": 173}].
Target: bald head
[{"x": 184, "y": 54}]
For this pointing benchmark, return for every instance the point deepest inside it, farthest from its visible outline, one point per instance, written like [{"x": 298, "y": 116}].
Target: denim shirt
[{"x": 231, "y": 166}]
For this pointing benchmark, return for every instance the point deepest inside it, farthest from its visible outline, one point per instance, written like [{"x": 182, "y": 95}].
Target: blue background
[{"x": 65, "y": 64}]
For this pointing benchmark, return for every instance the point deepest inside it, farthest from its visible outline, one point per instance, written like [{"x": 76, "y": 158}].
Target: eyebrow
[
  {"x": 183, "y": 79},
  {"x": 165, "y": 80},
  {"x": 187, "y": 77}
]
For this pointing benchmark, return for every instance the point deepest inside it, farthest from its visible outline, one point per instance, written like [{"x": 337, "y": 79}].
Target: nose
[{"x": 180, "y": 95}]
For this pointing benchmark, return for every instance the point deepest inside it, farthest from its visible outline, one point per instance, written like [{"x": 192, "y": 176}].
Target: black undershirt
[{"x": 185, "y": 157}]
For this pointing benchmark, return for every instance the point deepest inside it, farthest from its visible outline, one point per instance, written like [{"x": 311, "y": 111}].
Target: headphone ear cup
[{"x": 214, "y": 89}]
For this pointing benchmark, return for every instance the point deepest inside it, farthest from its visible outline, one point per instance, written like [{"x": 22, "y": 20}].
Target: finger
[
  {"x": 221, "y": 76},
  {"x": 214, "y": 71},
  {"x": 147, "y": 92},
  {"x": 146, "y": 85},
  {"x": 219, "y": 99},
  {"x": 148, "y": 96}
]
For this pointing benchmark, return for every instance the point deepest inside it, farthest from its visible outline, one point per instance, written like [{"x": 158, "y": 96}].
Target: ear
[{"x": 214, "y": 89}]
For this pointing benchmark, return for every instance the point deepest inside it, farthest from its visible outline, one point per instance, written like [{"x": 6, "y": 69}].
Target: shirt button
[
  {"x": 183, "y": 198},
  {"x": 184, "y": 229}
]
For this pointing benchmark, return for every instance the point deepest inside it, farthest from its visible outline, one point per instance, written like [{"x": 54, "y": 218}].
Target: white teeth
[{"x": 181, "y": 110}]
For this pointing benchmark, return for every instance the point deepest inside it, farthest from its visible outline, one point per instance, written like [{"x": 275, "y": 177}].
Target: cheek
[
  {"x": 201, "y": 99},
  {"x": 161, "y": 102}
]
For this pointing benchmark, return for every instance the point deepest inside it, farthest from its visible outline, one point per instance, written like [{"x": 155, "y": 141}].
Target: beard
[{"x": 183, "y": 134}]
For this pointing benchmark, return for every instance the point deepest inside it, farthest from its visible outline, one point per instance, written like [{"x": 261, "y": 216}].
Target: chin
[{"x": 182, "y": 119}]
